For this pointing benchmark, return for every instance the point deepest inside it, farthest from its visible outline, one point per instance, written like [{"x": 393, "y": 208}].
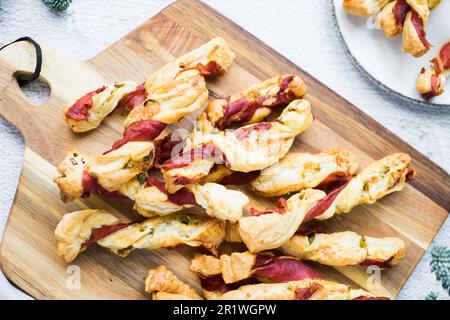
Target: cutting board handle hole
[{"x": 37, "y": 91}]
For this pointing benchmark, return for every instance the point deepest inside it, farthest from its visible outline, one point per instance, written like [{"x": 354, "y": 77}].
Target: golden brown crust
[
  {"x": 168, "y": 101},
  {"x": 344, "y": 248},
  {"x": 422, "y": 8},
  {"x": 218, "y": 201},
  {"x": 261, "y": 148},
  {"x": 325, "y": 290},
  {"x": 163, "y": 280},
  {"x": 104, "y": 103},
  {"x": 364, "y": 8},
  {"x": 431, "y": 81},
  {"x": 377, "y": 180},
  {"x": 298, "y": 171},
  {"x": 75, "y": 229},
  {"x": 215, "y": 110},
  {"x": 270, "y": 231},
  {"x": 237, "y": 266},
  {"x": 70, "y": 179},
  {"x": 233, "y": 268},
  {"x": 386, "y": 21},
  {"x": 412, "y": 43},
  {"x": 205, "y": 265},
  {"x": 114, "y": 169},
  {"x": 216, "y": 50},
  {"x": 232, "y": 233}
]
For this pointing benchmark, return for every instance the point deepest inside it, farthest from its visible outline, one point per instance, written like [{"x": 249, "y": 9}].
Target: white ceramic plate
[{"x": 383, "y": 59}]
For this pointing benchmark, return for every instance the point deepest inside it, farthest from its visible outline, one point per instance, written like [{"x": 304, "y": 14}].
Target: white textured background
[{"x": 302, "y": 30}]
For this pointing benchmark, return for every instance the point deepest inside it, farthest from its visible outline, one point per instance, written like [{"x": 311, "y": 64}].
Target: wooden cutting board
[{"x": 28, "y": 249}]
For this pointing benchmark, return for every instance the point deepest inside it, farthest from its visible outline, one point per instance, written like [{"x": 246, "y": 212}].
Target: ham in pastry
[
  {"x": 414, "y": 35},
  {"x": 271, "y": 228},
  {"x": 345, "y": 249},
  {"x": 88, "y": 112},
  {"x": 77, "y": 230},
  {"x": 164, "y": 285},
  {"x": 168, "y": 101},
  {"x": 257, "y": 102},
  {"x": 430, "y": 83},
  {"x": 209, "y": 60},
  {"x": 152, "y": 198},
  {"x": 407, "y": 16},
  {"x": 258, "y": 146},
  {"x": 103, "y": 174},
  {"x": 247, "y": 149},
  {"x": 297, "y": 171},
  {"x": 286, "y": 278}
]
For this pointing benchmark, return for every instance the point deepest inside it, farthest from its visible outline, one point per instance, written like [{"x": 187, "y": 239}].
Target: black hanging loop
[{"x": 24, "y": 79}]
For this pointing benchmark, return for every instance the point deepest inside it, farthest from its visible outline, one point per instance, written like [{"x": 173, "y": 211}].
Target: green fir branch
[
  {"x": 432, "y": 296},
  {"x": 440, "y": 265},
  {"x": 58, "y": 5}
]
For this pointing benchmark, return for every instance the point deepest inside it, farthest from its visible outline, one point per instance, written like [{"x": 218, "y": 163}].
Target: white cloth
[{"x": 301, "y": 30}]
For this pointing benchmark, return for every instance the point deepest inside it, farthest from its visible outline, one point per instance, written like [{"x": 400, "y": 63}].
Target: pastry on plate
[
  {"x": 364, "y": 8},
  {"x": 431, "y": 81},
  {"x": 409, "y": 17},
  {"x": 77, "y": 230}
]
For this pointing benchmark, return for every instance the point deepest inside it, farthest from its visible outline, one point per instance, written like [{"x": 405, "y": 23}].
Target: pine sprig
[
  {"x": 432, "y": 296},
  {"x": 440, "y": 265},
  {"x": 58, "y": 5}
]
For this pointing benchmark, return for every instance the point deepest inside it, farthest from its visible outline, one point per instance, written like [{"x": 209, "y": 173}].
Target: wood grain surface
[{"x": 28, "y": 251}]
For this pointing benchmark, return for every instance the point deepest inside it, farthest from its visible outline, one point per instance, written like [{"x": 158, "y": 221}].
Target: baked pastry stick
[
  {"x": 336, "y": 249},
  {"x": 247, "y": 149},
  {"x": 345, "y": 249},
  {"x": 77, "y": 230},
  {"x": 364, "y": 8},
  {"x": 255, "y": 103},
  {"x": 164, "y": 285},
  {"x": 414, "y": 35},
  {"x": 134, "y": 153},
  {"x": 430, "y": 83},
  {"x": 285, "y": 278},
  {"x": 151, "y": 198},
  {"x": 409, "y": 17},
  {"x": 149, "y": 194},
  {"x": 80, "y": 175},
  {"x": 297, "y": 171},
  {"x": 271, "y": 228},
  {"x": 211, "y": 60}
]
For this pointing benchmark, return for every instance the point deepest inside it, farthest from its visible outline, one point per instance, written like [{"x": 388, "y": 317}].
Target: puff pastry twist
[
  {"x": 431, "y": 81},
  {"x": 271, "y": 228},
  {"x": 77, "y": 230},
  {"x": 288, "y": 279},
  {"x": 167, "y": 95},
  {"x": 407, "y": 16},
  {"x": 247, "y": 149}
]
